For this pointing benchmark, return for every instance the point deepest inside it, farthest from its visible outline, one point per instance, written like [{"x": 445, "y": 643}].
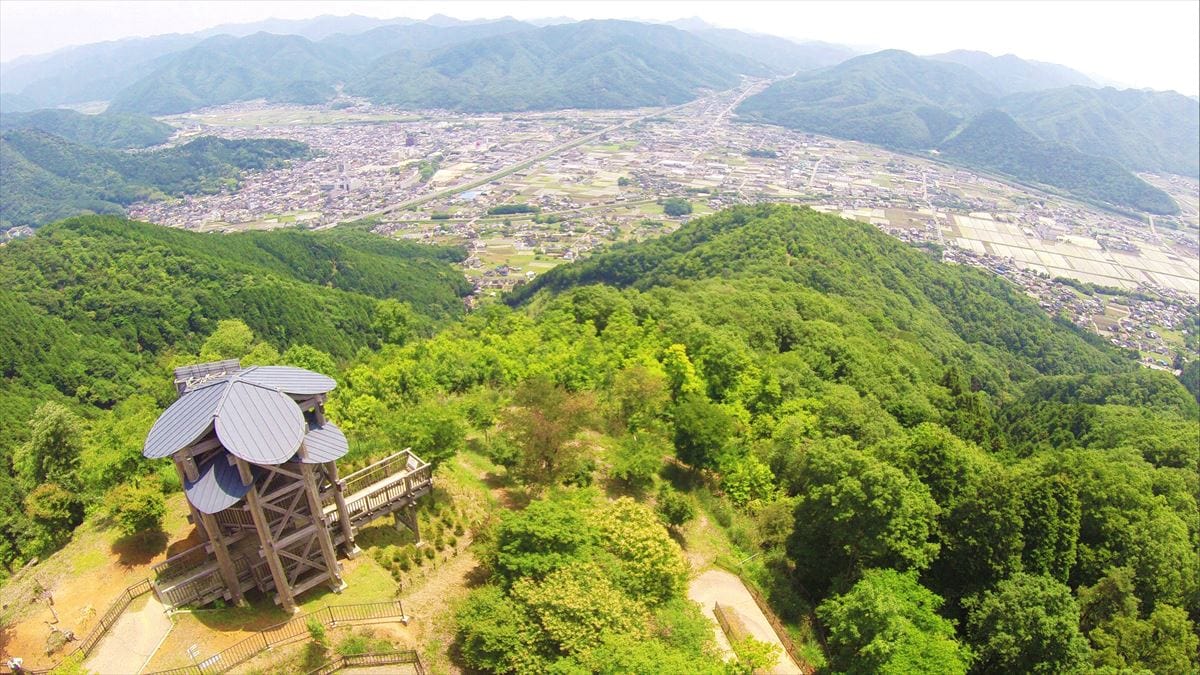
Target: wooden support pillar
[
  {"x": 407, "y": 518},
  {"x": 339, "y": 498},
  {"x": 197, "y": 517},
  {"x": 263, "y": 526},
  {"x": 224, "y": 562},
  {"x": 318, "y": 517}
]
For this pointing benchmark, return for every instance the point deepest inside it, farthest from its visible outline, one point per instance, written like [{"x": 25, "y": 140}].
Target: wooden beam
[
  {"x": 343, "y": 511},
  {"x": 318, "y": 515},
  {"x": 224, "y": 563},
  {"x": 196, "y": 515},
  {"x": 282, "y": 588}
]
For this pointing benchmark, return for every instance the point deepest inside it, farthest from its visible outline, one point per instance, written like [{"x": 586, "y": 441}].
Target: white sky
[{"x": 1143, "y": 44}]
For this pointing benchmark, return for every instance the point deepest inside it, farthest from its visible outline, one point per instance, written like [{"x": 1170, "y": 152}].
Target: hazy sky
[{"x": 1143, "y": 44}]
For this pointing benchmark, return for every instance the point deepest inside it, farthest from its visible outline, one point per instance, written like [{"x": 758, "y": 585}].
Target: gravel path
[
  {"x": 132, "y": 640},
  {"x": 720, "y": 586}
]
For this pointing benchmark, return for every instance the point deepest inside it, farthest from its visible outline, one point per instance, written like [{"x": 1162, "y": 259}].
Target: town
[{"x": 523, "y": 192}]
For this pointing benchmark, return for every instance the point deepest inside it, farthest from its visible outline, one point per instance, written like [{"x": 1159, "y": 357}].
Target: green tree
[
  {"x": 51, "y": 455},
  {"x": 753, "y": 656},
  {"x": 855, "y": 512},
  {"x": 232, "y": 339},
  {"x": 676, "y": 206},
  {"x": 1026, "y": 624},
  {"x": 545, "y": 424},
  {"x": 55, "y": 509},
  {"x": 395, "y": 322},
  {"x": 648, "y": 564},
  {"x": 639, "y": 396},
  {"x": 546, "y": 535},
  {"x": 309, "y": 358},
  {"x": 674, "y": 507},
  {"x": 497, "y": 634},
  {"x": 577, "y": 605},
  {"x": 702, "y": 432},
  {"x": 747, "y": 479},
  {"x": 137, "y": 509},
  {"x": 433, "y": 430},
  {"x": 638, "y": 458},
  {"x": 1164, "y": 642},
  {"x": 889, "y": 623}
]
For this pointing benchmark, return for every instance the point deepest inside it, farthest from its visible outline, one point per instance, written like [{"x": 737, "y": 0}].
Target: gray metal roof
[
  {"x": 187, "y": 420},
  {"x": 324, "y": 443},
  {"x": 251, "y": 412},
  {"x": 218, "y": 487},
  {"x": 259, "y": 424},
  {"x": 290, "y": 380}
]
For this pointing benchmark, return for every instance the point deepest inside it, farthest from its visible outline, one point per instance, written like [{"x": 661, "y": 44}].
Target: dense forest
[
  {"x": 45, "y": 177},
  {"x": 920, "y": 469}
]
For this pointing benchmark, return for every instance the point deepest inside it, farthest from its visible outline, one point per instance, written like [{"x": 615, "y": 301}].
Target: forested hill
[
  {"x": 590, "y": 64},
  {"x": 45, "y": 177},
  {"x": 106, "y": 130},
  {"x": 951, "y": 313},
  {"x": 91, "y": 301}
]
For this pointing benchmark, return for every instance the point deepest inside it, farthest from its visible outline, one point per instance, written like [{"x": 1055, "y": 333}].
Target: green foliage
[
  {"x": 857, "y": 511},
  {"x": 676, "y": 207},
  {"x": 747, "y": 479},
  {"x": 435, "y": 432},
  {"x": 106, "y": 130},
  {"x": 639, "y": 457},
  {"x": 316, "y": 630},
  {"x": 507, "y": 209},
  {"x": 1026, "y": 624},
  {"x": 51, "y": 454},
  {"x": 544, "y": 425},
  {"x": 137, "y": 509},
  {"x": 754, "y": 656},
  {"x": 591, "y": 586},
  {"x": 674, "y": 507},
  {"x": 232, "y": 339},
  {"x": 888, "y": 623},
  {"x": 702, "y": 432}
]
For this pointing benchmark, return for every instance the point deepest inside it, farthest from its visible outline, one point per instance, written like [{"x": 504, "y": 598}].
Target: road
[{"x": 463, "y": 187}]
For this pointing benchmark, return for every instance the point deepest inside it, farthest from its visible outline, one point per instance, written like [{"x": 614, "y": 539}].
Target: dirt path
[
  {"x": 720, "y": 586},
  {"x": 132, "y": 640}
]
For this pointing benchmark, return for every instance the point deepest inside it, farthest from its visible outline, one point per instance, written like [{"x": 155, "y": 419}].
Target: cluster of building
[{"x": 612, "y": 187}]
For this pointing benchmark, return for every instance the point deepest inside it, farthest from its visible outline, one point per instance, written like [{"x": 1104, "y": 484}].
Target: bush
[
  {"x": 674, "y": 508},
  {"x": 137, "y": 508},
  {"x": 316, "y": 630}
]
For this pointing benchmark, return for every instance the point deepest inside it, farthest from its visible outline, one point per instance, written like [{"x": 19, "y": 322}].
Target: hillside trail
[{"x": 130, "y": 643}]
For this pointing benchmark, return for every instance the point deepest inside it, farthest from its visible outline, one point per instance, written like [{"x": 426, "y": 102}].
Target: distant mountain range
[
  {"x": 1011, "y": 74},
  {"x": 107, "y": 130},
  {"x": 898, "y": 100},
  {"x": 590, "y": 64}
]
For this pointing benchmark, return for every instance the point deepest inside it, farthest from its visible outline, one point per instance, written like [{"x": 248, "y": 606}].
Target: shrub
[{"x": 137, "y": 508}]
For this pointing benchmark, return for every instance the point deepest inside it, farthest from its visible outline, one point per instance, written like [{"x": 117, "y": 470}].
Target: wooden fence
[
  {"x": 407, "y": 657},
  {"x": 110, "y": 617},
  {"x": 291, "y": 630}
]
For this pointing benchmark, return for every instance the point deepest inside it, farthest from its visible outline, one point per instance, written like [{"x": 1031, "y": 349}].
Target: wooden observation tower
[{"x": 258, "y": 462}]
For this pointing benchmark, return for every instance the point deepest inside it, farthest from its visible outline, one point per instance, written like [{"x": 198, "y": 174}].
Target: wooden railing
[
  {"x": 785, "y": 638},
  {"x": 400, "y": 463},
  {"x": 291, "y": 630},
  {"x": 110, "y": 617},
  {"x": 179, "y": 564},
  {"x": 405, "y": 657}
]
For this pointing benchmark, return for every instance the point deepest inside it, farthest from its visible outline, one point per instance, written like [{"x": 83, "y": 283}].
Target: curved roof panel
[
  {"x": 218, "y": 487},
  {"x": 290, "y": 380},
  {"x": 324, "y": 444},
  {"x": 186, "y": 421},
  {"x": 259, "y": 424}
]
